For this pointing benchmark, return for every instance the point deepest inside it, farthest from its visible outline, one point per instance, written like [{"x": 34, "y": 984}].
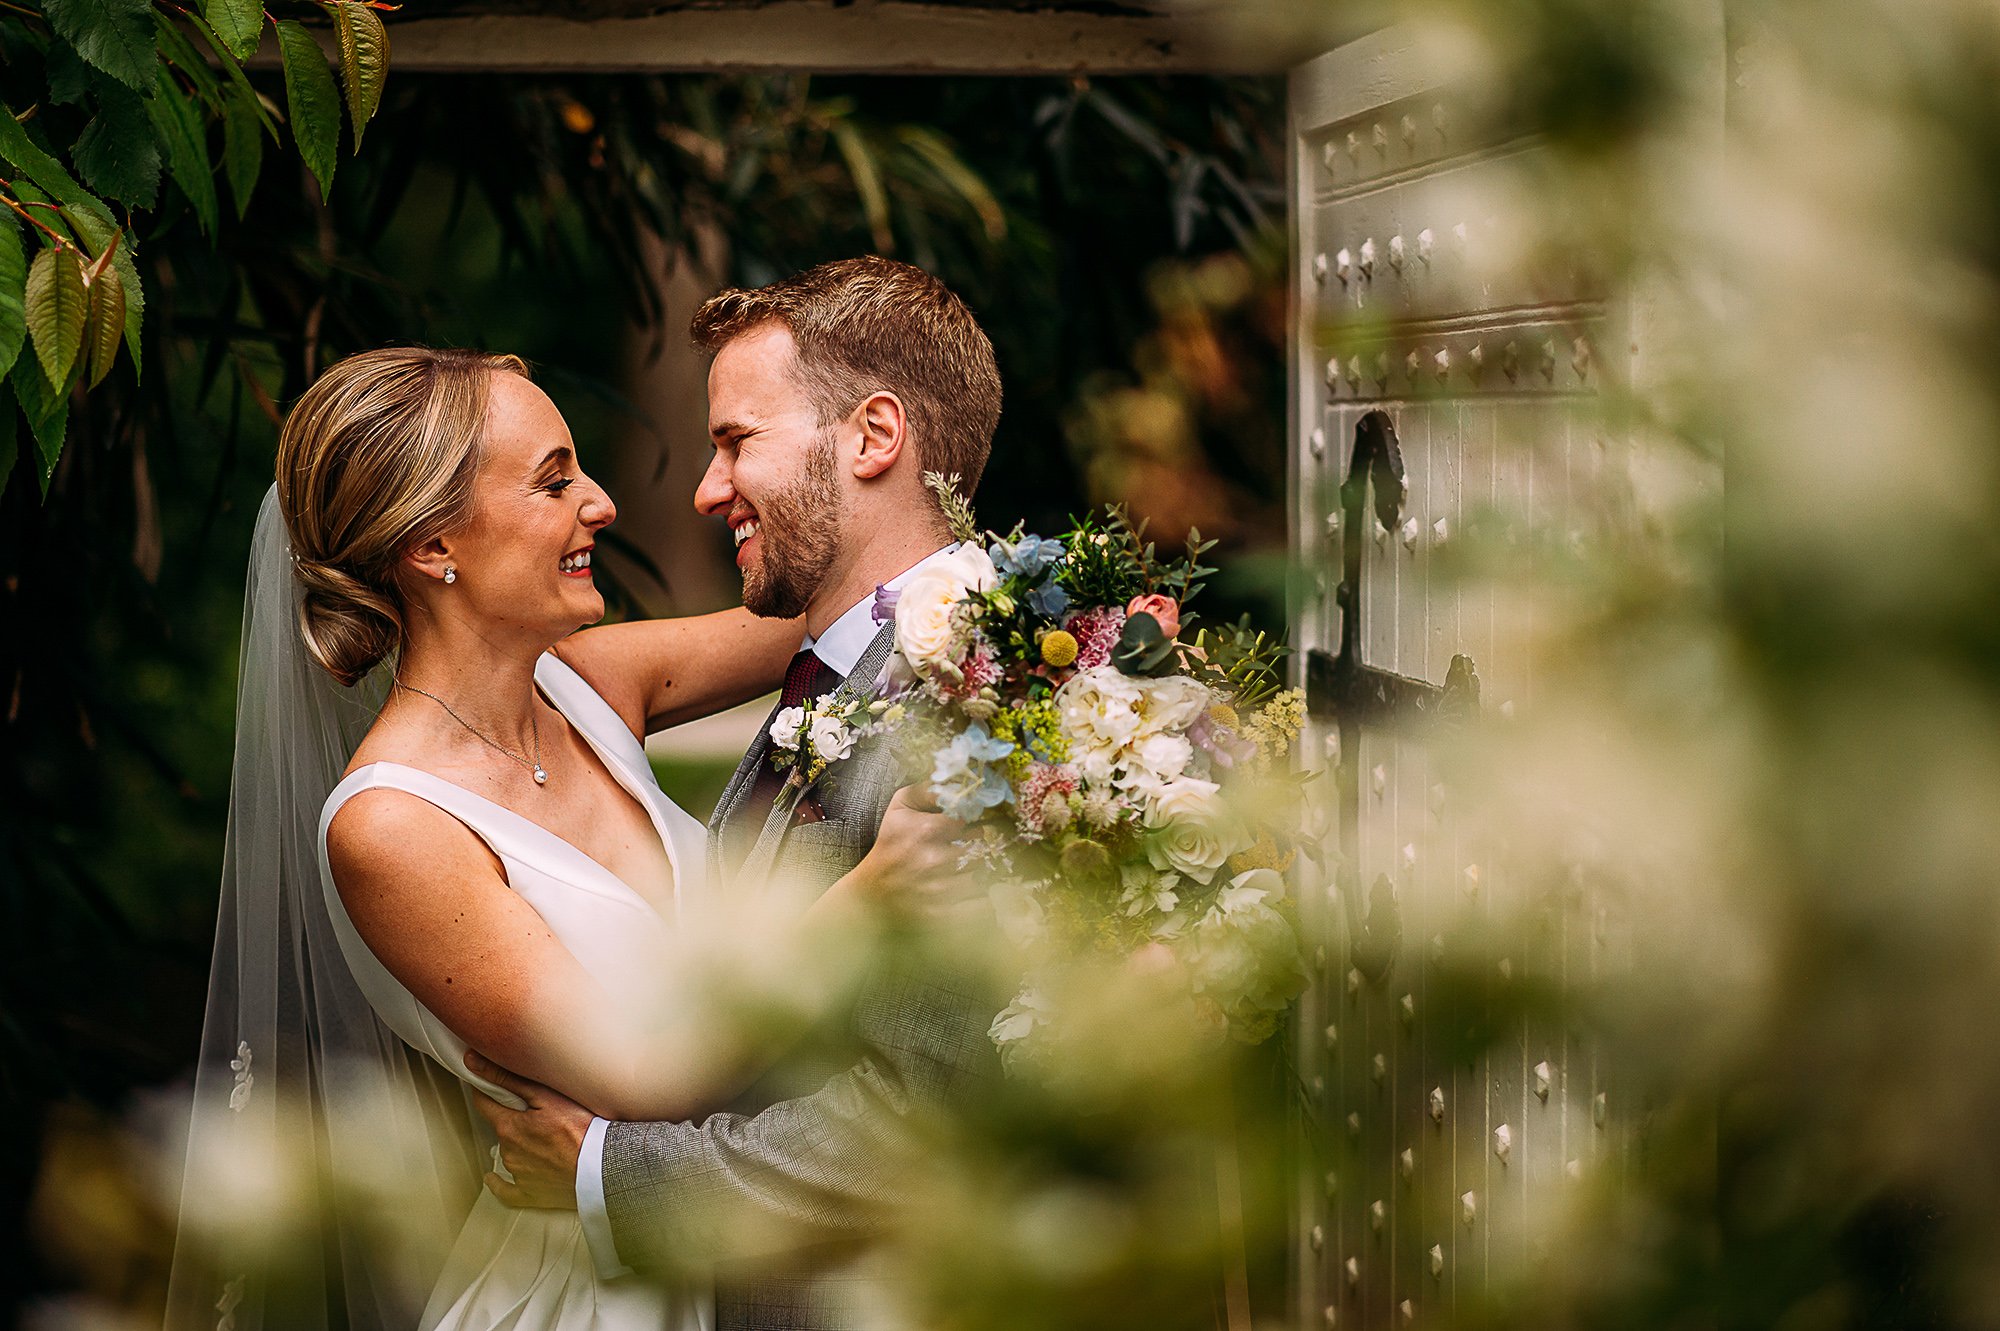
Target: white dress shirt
[{"x": 839, "y": 648}]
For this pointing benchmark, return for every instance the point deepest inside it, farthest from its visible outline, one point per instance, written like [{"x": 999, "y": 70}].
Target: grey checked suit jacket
[{"x": 809, "y": 1146}]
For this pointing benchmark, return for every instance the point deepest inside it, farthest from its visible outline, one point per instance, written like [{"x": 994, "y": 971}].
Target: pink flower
[
  {"x": 1096, "y": 632},
  {"x": 1163, "y": 608}
]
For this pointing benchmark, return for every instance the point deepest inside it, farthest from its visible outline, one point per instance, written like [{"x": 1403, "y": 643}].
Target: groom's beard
[{"x": 800, "y": 531}]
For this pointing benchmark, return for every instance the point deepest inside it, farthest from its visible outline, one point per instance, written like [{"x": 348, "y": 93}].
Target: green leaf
[
  {"x": 178, "y": 51},
  {"x": 364, "y": 61},
  {"x": 92, "y": 221},
  {"x": 47, "y": 410},
  {"x": 106, "y": 324},
  {"x": 57, "y": 306},
  {"x": 239, "y": 23},
  {"x": 69, "y": 77},
  {"x": 237, "y": 78},
  {"x": 314, "y": 102},
  {"x": 116, "y": 152},
  {"x": 182, "y": 129},
  {"x": 116, "y": 36},
  {"x": 10, "y": 436},
  {"x": 13, "y": 293},
  {"x": 242, "y": 145}
]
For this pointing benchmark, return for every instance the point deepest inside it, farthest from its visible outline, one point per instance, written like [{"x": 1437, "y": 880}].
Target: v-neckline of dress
[{"x": 613, "y": 763}]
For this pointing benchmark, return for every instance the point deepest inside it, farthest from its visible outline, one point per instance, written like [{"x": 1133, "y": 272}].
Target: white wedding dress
[{"x": 530, "y": 1270}]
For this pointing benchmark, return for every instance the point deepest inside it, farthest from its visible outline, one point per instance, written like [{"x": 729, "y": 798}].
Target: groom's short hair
[{"x": 869, "y": 324}]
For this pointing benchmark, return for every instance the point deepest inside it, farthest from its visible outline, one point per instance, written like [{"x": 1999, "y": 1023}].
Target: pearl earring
[{"x": 450, "y": 574}]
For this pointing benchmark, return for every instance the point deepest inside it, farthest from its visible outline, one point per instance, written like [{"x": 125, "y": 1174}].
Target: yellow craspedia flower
[
  {"x": 1059, "y": 648},
  {"x": 1222, "y": 714}
]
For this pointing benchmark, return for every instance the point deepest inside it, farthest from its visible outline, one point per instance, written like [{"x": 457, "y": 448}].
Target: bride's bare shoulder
[{"x": 384, "y": 842}]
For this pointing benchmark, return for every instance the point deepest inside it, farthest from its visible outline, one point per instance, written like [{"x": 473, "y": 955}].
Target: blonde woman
[{"x": 444, "y": 833}]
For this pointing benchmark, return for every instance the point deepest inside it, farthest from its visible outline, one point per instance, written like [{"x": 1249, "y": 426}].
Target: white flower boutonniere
[{"x": 812, "y": 738}]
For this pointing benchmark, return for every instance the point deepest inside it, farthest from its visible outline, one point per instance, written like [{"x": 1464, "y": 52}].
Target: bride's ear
[
  {"x": 883, "y": 431},
  {"x": 430, "y": 560}
]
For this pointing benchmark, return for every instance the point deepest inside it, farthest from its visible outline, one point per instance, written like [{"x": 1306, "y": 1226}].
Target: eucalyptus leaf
[
  {"x": 238, "y": 23},
  {"x": 117, "y": 152},
  {"x": 364, "y": 60},
  {"x": 185, "y": 133},
  {"x": 314, "y": 101},
  {"x": 115, "y": 36},
  {"x": 57, "y": 307},
  {"x": 13, "y": 292}
]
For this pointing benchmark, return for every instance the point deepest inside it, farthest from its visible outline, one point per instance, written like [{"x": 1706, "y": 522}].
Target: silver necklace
[{"x": 534, "y": 729}]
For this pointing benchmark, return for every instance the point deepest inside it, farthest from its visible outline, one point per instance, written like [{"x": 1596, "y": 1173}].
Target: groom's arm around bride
[{"x": 830, "y": 394}]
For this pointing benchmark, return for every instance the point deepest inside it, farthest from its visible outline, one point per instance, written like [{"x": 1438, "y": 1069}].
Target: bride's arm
[
  {"x": 660, "y": 672},
  {"x": 432, "y": 903}
]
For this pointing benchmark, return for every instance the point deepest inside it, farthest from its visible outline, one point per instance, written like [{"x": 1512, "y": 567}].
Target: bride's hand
[{"x": 913, "y": 865}]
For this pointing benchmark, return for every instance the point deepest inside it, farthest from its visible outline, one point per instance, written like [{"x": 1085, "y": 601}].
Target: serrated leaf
[
  {"x": 237, "y": 79},
  {"x": 47, "y": 410},
  {"x": 92, "y": 221},
  {"x": 107, "y": 324},
  {"x": 57, "y": 306},
  {"x": 178, "y": 51},
  {"x": 314, "y": 102},
  {"x": 185, "y": 135},
  {"x": 364, "y": 61},
  {"x": 242, "y": 146},
  {"x": 116, "y": 152},
  {"x": 115, "y": 36},
  {"x": 13, "y": 292},
  {"x": 239, "y": 23},
  {"x": 69, "y": 77}
]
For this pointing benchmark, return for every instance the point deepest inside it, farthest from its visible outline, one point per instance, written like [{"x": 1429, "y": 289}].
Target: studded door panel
[{"x": 1437, "y": 327}]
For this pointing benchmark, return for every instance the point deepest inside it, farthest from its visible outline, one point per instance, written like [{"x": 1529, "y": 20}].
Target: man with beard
[{"x": 830, "y": 395}]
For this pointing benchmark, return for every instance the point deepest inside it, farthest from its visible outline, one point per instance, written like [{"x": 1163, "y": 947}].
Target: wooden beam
[{"x": 886, "y": 37}]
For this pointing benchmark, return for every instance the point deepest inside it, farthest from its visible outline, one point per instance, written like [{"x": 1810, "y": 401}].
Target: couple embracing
[{"x": 449, "y": 876}]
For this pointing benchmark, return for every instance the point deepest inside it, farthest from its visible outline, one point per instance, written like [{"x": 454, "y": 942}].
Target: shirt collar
[{"x": 848, "y": 636}]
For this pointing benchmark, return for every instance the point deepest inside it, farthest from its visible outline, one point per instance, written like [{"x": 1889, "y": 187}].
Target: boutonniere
[{"x": 812, "y": 738}]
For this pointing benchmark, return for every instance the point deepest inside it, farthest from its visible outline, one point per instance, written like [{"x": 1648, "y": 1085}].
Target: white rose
[
  {"x": 1190, "y": 830},
  {"x": 785, "y": 727},
  {"x": 832, "y": 738},
  {"x": 1173, "y": 702},
  {"x": 924, "y": 630},
  {"x": 1099, "y": 708},
  {"x": 1155, "y": 759}
]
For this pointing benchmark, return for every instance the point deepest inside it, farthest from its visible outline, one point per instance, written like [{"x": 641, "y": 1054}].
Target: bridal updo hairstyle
[{"x": 377, "y": 458}]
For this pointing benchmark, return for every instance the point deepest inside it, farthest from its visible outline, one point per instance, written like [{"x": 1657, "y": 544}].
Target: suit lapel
[
  {"x": 733, "y": 795},
  {"x": 860, "y": 683}
]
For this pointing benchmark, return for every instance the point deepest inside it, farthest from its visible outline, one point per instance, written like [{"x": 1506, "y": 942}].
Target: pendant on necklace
[{"x": 541, "y": 777}]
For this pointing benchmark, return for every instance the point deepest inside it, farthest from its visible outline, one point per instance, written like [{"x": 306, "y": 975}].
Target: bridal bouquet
[{"x": 1124, "y": 783}]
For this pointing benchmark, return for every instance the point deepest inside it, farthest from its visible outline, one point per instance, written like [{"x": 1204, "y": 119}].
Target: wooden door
[{"x": 1446, "y": 376}]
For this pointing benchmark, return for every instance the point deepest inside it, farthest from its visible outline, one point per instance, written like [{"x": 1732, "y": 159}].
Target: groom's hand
[{"x": 538, "y": 1145}]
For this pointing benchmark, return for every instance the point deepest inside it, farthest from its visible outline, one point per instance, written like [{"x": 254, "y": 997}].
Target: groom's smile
[{"x": 772, "y": 478}]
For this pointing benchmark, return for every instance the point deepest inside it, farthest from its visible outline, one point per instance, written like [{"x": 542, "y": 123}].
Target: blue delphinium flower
[
  {"x": 963, "y": 779},
  {"x": 1029, "y": 557},
  {"x": 1049, "y": 600}
]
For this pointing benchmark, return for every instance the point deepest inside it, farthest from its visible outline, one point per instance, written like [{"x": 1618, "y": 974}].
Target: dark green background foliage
[{"x": 518, "y": 215}]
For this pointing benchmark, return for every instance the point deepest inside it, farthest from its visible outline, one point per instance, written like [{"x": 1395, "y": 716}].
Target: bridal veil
[{"x": 328, "y": 1165}]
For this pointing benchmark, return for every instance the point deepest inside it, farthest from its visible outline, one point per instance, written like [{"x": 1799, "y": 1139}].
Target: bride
[{"x": 444, "y": 832}]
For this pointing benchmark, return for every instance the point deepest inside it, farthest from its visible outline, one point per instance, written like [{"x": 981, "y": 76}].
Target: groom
[{"x": 830, "y": 394}]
